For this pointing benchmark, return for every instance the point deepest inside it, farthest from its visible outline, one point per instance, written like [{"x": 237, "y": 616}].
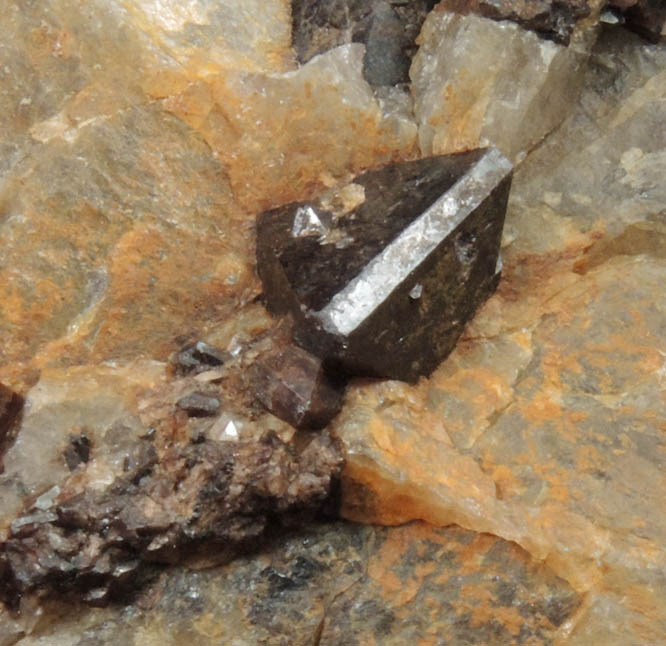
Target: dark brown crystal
[
  {"x": 386, "y": 288},
  {"x": 645, "y": 17},
  {"x": 291, "y": 384},
  {"x": 197, "y": 357}
]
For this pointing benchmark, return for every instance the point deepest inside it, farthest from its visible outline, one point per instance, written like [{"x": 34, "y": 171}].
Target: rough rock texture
[
  {"x": 135, "y": 152},
  {"x": 388, "y": 29},
  {"x": 203, "y": 495},
  {"x": 279, "y": 136},
  {"x": 334, "y": 584},
  {"x": 384, "y": 287},
  {"x": 610, "y": 155},
  {"x": 510, "y": 92},
  {"x": 551, "y": 19},
  {"x": 129, "y": 138},
  {"x": 545, "y": 426}
]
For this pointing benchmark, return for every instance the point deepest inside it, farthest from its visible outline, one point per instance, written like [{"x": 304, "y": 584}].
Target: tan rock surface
[
  {"x": 337, "y": 584},
  {"x": 137, "y": 141},
  {"x": 546, "y": 424},
  {"x": 122, "y": 228}
]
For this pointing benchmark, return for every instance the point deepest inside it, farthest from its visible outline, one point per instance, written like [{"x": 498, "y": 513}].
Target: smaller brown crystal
[
  {"x": 197, "y": 357},
  {"x": 199, "y": 404},
  {"x": 291, "y": 384},
  {"x": 646, "y": 17}
]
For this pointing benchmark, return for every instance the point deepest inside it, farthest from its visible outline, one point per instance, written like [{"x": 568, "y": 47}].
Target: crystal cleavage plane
[{"x": 381, "y": 276}]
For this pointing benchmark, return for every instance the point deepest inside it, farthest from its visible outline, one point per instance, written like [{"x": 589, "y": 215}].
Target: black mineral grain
[
  {"x": 77, "y": 451},
  {"x": 646, "y": 17},
  {"x": 199, "y": 404},
  {"x": 11, "y": 405},
  {"x": 197, "y": 357}
]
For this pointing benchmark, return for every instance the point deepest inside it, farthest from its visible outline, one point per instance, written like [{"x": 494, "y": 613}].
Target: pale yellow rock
[
  {"x": 479, "y": 82},
  {"x": 253, "y": 35},
  {"x": 282, "y": 136},
  {"x": 608, "y": 159}
]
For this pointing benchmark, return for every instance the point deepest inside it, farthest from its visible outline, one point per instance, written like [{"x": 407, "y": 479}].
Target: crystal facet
[
  {"x": 421, "y": 256},
  {"x": 292, "y": 385}
]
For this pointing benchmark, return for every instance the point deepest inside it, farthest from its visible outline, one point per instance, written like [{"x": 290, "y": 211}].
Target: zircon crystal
[{"x": 422, "y": 256}]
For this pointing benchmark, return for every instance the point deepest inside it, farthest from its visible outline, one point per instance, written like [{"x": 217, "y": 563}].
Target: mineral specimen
[
  {"x": 292, "y": 385},
  {"x": 384, "y": 288},
  {"x": 197, "y": 357},
  {"x": 199, "y": 404},
  {"x": 77, "y": 451},
  {"x": 552, "y": 19}
]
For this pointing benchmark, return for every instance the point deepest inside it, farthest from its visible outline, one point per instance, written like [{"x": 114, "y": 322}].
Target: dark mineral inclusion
[
  {"x": 385, "y": 288},
  {"x": 293, "y": 385}
]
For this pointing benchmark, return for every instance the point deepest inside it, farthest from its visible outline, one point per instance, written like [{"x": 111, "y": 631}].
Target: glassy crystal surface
[
  {"x": 292, "y": 384},
  {"x": 387, "y": 289}
]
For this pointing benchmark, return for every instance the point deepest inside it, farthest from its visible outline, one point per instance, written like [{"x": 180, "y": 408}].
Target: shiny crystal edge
[{"x": 353, "y": 304}]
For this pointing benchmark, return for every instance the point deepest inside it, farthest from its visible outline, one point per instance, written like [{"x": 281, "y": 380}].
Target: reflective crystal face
[{"x": 420, "y": 254}]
